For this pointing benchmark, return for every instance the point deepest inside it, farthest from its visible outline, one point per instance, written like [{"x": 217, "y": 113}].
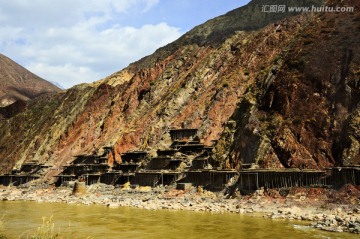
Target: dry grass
[
  {"x": 2, "y": 228},
  {"x": 47, "y": 230}
]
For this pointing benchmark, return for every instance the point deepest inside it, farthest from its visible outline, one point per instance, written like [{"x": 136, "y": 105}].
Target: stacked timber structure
[
  {"x": 253, "y": 179},
  {"x": 338, "y": 176},
  {"x": 88, "y": 168},
  {"x": 185, "y": 163},
  {"x": 28, "y": 172}
]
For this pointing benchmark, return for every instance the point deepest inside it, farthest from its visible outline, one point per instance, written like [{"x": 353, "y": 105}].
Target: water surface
[{"x": 81, "y": 221}]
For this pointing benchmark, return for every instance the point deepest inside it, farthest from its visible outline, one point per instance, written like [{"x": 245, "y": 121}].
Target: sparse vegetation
[
  {"x": 2, "y": 228},
  {"x": 47, "y": 230}
]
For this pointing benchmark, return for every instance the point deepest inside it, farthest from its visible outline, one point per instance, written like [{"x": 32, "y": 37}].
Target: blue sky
[{"x": 75, "y": 41}]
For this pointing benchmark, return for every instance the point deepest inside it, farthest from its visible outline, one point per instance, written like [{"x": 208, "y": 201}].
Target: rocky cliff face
[
  {"x": 18, "y": 84},
  {"x": 284, "y": 93},
  {"x": 303, "y": 110}
]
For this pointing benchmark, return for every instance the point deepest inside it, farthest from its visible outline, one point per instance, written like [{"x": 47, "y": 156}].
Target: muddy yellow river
[{"x": 80, "y": 221}]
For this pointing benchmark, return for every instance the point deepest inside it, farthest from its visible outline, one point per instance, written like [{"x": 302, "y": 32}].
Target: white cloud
[
  {"x": 75, "y": 41},
  {"x": 149, "y": 4},
  {"x": 66, "y": 74},
  {"x": 86, "y": 56}
]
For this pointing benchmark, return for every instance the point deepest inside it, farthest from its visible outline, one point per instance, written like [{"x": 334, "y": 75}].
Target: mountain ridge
[
  {"x": 215, "y": 31},
  {"x": 17, "y": 83},
  {"x": 282, "y": 96}
]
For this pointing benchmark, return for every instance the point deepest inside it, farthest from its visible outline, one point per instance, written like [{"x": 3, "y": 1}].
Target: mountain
[
  {"x": 215, "y": 31},
  {"x": 57, "y": 85},
  {"x": 17, "y": 83},
  {"x": 279, "y": 92}
]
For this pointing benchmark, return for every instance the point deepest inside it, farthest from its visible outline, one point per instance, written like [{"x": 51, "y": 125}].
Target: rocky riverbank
[{"x": 325, "y": 209}]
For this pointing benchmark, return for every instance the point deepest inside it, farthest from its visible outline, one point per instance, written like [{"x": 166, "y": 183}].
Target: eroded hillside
[
  {"x": 285, "y": 95},
  {"x": 304, "y": 110}
]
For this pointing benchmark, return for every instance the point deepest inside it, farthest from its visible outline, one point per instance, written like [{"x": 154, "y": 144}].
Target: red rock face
[
  {"x": 286, "y": 95},
  {"x": 303, "y": 116}
]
